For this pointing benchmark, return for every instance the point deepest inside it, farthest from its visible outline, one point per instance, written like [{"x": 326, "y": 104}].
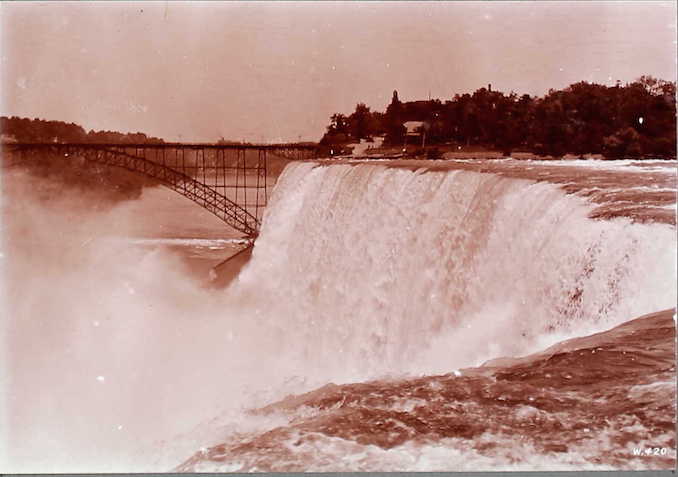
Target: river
[{"x": 355, "y": 337}]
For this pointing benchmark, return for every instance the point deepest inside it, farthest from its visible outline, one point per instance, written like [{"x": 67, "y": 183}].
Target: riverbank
[{"x": 450, "y": 151}]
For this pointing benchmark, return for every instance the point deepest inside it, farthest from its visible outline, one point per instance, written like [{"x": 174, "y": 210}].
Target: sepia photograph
[{"x": 354, "y": 236}]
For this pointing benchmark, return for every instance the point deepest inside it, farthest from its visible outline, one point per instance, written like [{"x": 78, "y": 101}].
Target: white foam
[
  {"x": 421, "y": 272},
  {"x": 664, "y": 166},
  {"x": 184, "y": 242}
]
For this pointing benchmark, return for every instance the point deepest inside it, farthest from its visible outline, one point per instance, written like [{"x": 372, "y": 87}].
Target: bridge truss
[{"x": 230, "y": 181}]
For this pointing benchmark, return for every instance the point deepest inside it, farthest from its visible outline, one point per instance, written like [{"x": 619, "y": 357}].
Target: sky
[{"x": 275, "y": 72}]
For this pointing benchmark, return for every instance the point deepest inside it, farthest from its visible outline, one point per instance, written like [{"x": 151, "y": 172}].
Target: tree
[
  {"x": 361, "y": 124},
  {"x": 625, "y": 143},
  {"x": 634, "y": 120},
  {"x": 38, "y": 130}
]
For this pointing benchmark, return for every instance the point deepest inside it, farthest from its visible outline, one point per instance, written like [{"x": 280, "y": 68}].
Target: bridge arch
[{"x": 206, "y": 176}]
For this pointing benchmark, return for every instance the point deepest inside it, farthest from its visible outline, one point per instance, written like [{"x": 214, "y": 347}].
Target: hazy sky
[{"x": 277, "y": 71}]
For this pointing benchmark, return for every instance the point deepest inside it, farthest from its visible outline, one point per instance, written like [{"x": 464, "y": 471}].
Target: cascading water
[
  {"x": 367, "y": 270},
  {"x": 360, "y": 272},
  {"x": 366, "y": 274}
]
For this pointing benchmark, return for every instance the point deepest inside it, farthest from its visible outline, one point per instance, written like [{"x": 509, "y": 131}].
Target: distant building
[
  {"x": 378, "y": 141},
  {"x": 422, "y": 103},
  {"x": 414, "y": 128}
]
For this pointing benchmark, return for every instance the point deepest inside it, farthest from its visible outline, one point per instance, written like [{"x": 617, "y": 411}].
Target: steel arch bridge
[{"x": 229, "y": 180}]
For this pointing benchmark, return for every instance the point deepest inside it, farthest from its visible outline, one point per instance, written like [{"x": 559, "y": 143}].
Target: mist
[{"x": 109, "y": 346}]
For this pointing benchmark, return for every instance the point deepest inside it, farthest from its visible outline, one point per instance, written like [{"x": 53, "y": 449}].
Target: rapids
[
  {"x": 602, "y": 402},
  {"x": 118, "y": 360}
]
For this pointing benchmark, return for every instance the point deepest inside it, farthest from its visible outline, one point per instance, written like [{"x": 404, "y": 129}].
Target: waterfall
[{"x": 367, "y": 270}]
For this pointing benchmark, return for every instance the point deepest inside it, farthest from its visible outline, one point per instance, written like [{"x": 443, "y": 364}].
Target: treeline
[
  {"x": 101, "y": 185},
  {"x": 15, "y": 129},
  {"x": 634, "y": 120}
]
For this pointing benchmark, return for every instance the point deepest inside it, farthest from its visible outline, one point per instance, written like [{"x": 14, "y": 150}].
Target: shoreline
[{"x": 447, "y": 152}]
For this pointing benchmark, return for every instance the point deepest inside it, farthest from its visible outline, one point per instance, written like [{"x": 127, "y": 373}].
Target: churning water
[
  {"x": 397, "y": 271},
  {"x": 363, "y": 273}
]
